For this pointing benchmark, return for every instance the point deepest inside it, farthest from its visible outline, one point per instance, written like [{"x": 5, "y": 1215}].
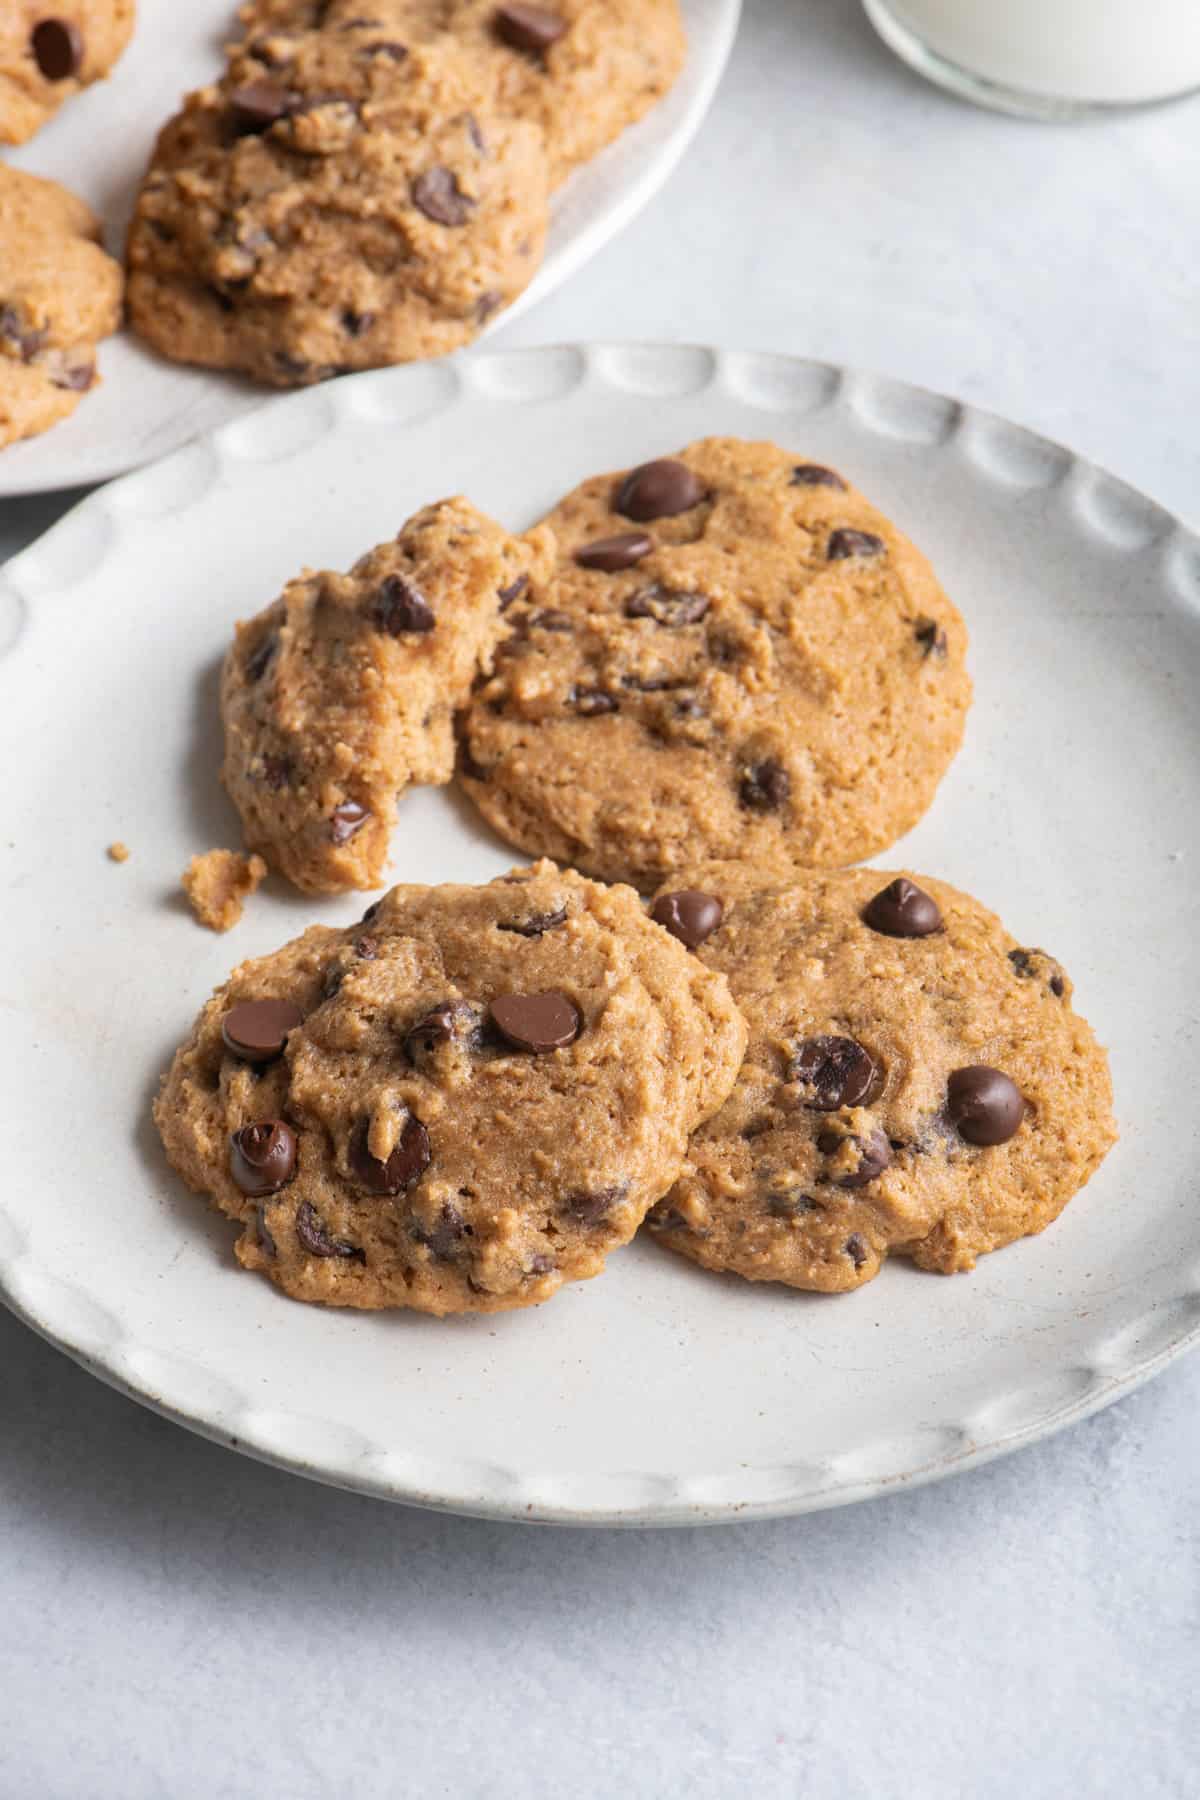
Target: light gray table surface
[{"x": 176, "y": 1621}]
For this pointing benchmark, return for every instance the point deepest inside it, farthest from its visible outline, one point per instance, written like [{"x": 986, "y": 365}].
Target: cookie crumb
[
  {"x": 219, "y": 883},
  {"x": 118, "y": 852}
]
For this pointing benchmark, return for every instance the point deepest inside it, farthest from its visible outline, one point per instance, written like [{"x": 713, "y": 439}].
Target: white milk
[{"x": 1114, "y": 51}]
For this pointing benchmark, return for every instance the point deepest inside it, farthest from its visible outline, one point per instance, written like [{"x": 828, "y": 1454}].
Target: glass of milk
[{"x": 1048, "y": 58}]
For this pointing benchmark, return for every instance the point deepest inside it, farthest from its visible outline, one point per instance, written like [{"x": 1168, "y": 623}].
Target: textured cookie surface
[
  {"x": 402, "y": 1128},
  {"x": 345, "y": 207},
  {"x": 49, "y": 52},
  {"x": 737, "y": 656},
  {"x": 343, "y": 691},
  {"x": 933, "y": 1095},
  {"x": 59, "y": 294}
]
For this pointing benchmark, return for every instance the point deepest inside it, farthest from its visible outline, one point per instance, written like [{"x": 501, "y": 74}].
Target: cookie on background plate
[
  {"x": 737, "y": 656},
  {"x": 343, "y": 691},
  {"x": 50, "y": 52},
  {"x": 917, "y": 1083},
  {"x": 457, "y": 1105},
  {"x": 59, "y": 294}
]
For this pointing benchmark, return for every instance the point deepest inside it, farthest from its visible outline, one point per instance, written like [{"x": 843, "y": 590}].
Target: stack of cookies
[{"x": 710, "y": 681}]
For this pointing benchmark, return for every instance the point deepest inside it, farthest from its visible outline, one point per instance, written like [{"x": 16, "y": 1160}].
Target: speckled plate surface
[
  {"x": 657, "y": 1394},
  {"x": 99, "y": 145}
]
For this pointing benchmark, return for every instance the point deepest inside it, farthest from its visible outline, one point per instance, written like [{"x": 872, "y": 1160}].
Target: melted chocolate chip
[
  {"x": 689, "y": 915},
  {"x": 857, "y": 1249},
  {"x": 436, "y": 193},
  {"x": 399, "y": 606},
  {"x": 445, "y": 1235},
  {"x": 536, "y": 1022},
  {"x": 276, "y": 772},
  {"x": 816, "y": 475},
  {"x": 452, "y": 1020},
  {"x": 835, "y": 1072},
  {"x": 346, "y": 820},
  {"x": 903, "y": 910},
  {"x": 257, "y": 1030},
  {"x": 765, "y": 786},
  {"x": 531, "y": 28},
  {"x": 514, "y": 590},
  {"x": 983, "y": 1105},
  {"x": 314, "y": 1238},
  {"x": 540, "y": 922},
  {"x": 1035, "y": 965},
  {"x": 487, "y": 304},
  {"x": 13, "y": 331},
  {"x": 588, "y": 1208},
  {"x": 846, "y": 543},
  {"x": 931, "y": 637},
  {"x": 407, "y": 1163},
  {"x": 612, "y": 554},
  {"x": 874, "y": 1155},
  {"x": 791, "y": 1204},
  {"x": 76, "y": 380},
  {"x": 658, "y": 490},
  {"x": 356, "y": 324},
  {"x": 58, "y": 48},
  {"x": 262, "y": 1156},
  {"x": 667, "y": 606},
  {"x": 592, "y": 701},
  {"x": 258, "y": 105}
]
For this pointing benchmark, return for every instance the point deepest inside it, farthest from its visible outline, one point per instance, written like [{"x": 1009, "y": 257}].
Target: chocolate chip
[
  {"x": 346, "y": 820},
  {"x": 874, "y": 1155},
  {"x": 903, "y": 910},
  {"x": 436, "y": 193},
  {"x": 588, "y": 1208},
  {"x": 387, "y": 47},
  {"x": 314, "y": 1238},
  {"x": 539, "y": 923},
  {"x": 790, "y": 1205},
  {"x": 487, "y": 304},
  {"x": 407, "y": 1163},
  {"x": 506, "y": 595},
  {"x": 931, "y": 637},
  {"x": 257, "y": 1030},
  {"x": 356, "y": 324},
  {"x": 536, "y": 1022},
  {"x": 276, "y": 772},
  {"x": 689, "y": 915},
  {"x": 857, "y": 1249},
  {"x": 258, "y": 105},
  {"x": 399, "y": 606},
  {"x": 532, "y": 28},
  {"x": 984, "y": 1105},
  {"x": 58, "y": 48},
  {"x": 76, "y": 380},
  {"x": 612, "y": 554},
  {"x": 659, "y": 490},
  {"x": 13, "y": 331},
  {"x": 445, "y": 1235},
  {"x": 765, "y": 786},
  {"x": 1036, "y": 965},
  {"x": 262, "y": 1156},
  {"x": 846, "y": 543},
  {"x": 816, "y": 475},
  {"x": 451, "y": 1021},
  {"x": 260, "y": 658},
  {"x": 835, "y": 1072},
  {"x": 667, "y": 606},
  {"x": 372, "y": 912},
  {"x": 591, "y": 701},
  {"x": 541, "y": 1264},
  {"x": 551, "y": 619}
]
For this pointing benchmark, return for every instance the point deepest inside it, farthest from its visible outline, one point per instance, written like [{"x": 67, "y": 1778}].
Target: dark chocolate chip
[
  {"x": 13, "y": 331},
  {"x": 514, "y": 590},
  {"x": 399, "y": 606},
  {"x": 532, "y": 28},
  {"x": 931, "y": 637},
  {"x": 845, "y": 543},
  {"x": 258, "y": 105},
  {"x": 903, "y": 910},
  {"x": 790, "y": 1205},
  {"x": 259, "y": 659},
  {"x": 76, "y": 380},
  {"x": 445, "y": 1235},
  {"x": 486, "y": 304},
  {"x": 314, "y": 1238},
  {"x": 874, "y": 1155},
  {"x": 588, "y": 1208},
  {"x": 667, "y": 606},
  {"x": 407, "y": 1163},
  {"x": 536, "y": 1022},
  {"x": 983, "y": 1105},
  {"x": 835, "y": 1072},
  {"x": 387, "y": 47},
  {"x": 857, "y": 1249},
  {"x": 257, "y": 1030},
  {"x": 357, "y": 324},
  {"x": 658, "y": 490},
  {"x": 816, "y": 475},
  {"x": 346, "y": 820},
  {"x": 612, "y": 554},
  {"x": 591, "y": 701},
  {"x": 765, "y": 786},
  {"x": 689, "y": 915},
  {"x": 436, "y": 193},
  {"x": 58, "y": 48},
  {"x": 1036, "y": 965},
  {"x": 452, "y": 1020},
  {"x": 539, "y": 923},
  {"x": 276, "y": 772},
  {"x": 262, "y": 1156}
]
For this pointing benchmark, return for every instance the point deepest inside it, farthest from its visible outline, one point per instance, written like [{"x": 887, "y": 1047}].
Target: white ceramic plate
[
  {"x": 99, "y": 146},
  {"x": 658, "y": 1393}
]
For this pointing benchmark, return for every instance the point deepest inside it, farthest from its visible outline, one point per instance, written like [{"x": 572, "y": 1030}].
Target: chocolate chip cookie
[
  {"x": 337, "y": 201},
  {"x": 916, "y": 1083},
  {"x": 457, "y": 1105},
  {"x": 736, "y": 656},
  {"x": 344, "y": 690},
  {"x": 59, "y": 294},
  {"x": 47, "y": 55}
]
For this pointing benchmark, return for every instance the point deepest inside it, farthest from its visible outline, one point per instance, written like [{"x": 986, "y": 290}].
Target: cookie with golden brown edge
[
  {"x": 459, "y": 1104},
  {"x": 343, "y": 691},
  {"x": 736, "y": 656},
  {"x": 49, "y": 53},
  {"x": 916, "y": 1083}
]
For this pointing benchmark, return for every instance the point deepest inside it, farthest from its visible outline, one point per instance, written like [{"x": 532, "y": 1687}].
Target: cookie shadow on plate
[{"x": 210, "y": 817}]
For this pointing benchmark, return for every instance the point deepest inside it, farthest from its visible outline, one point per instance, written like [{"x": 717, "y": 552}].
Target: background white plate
[
  {"x": 658, "y": 1393},
  {"x": 100, "y": 143}
]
